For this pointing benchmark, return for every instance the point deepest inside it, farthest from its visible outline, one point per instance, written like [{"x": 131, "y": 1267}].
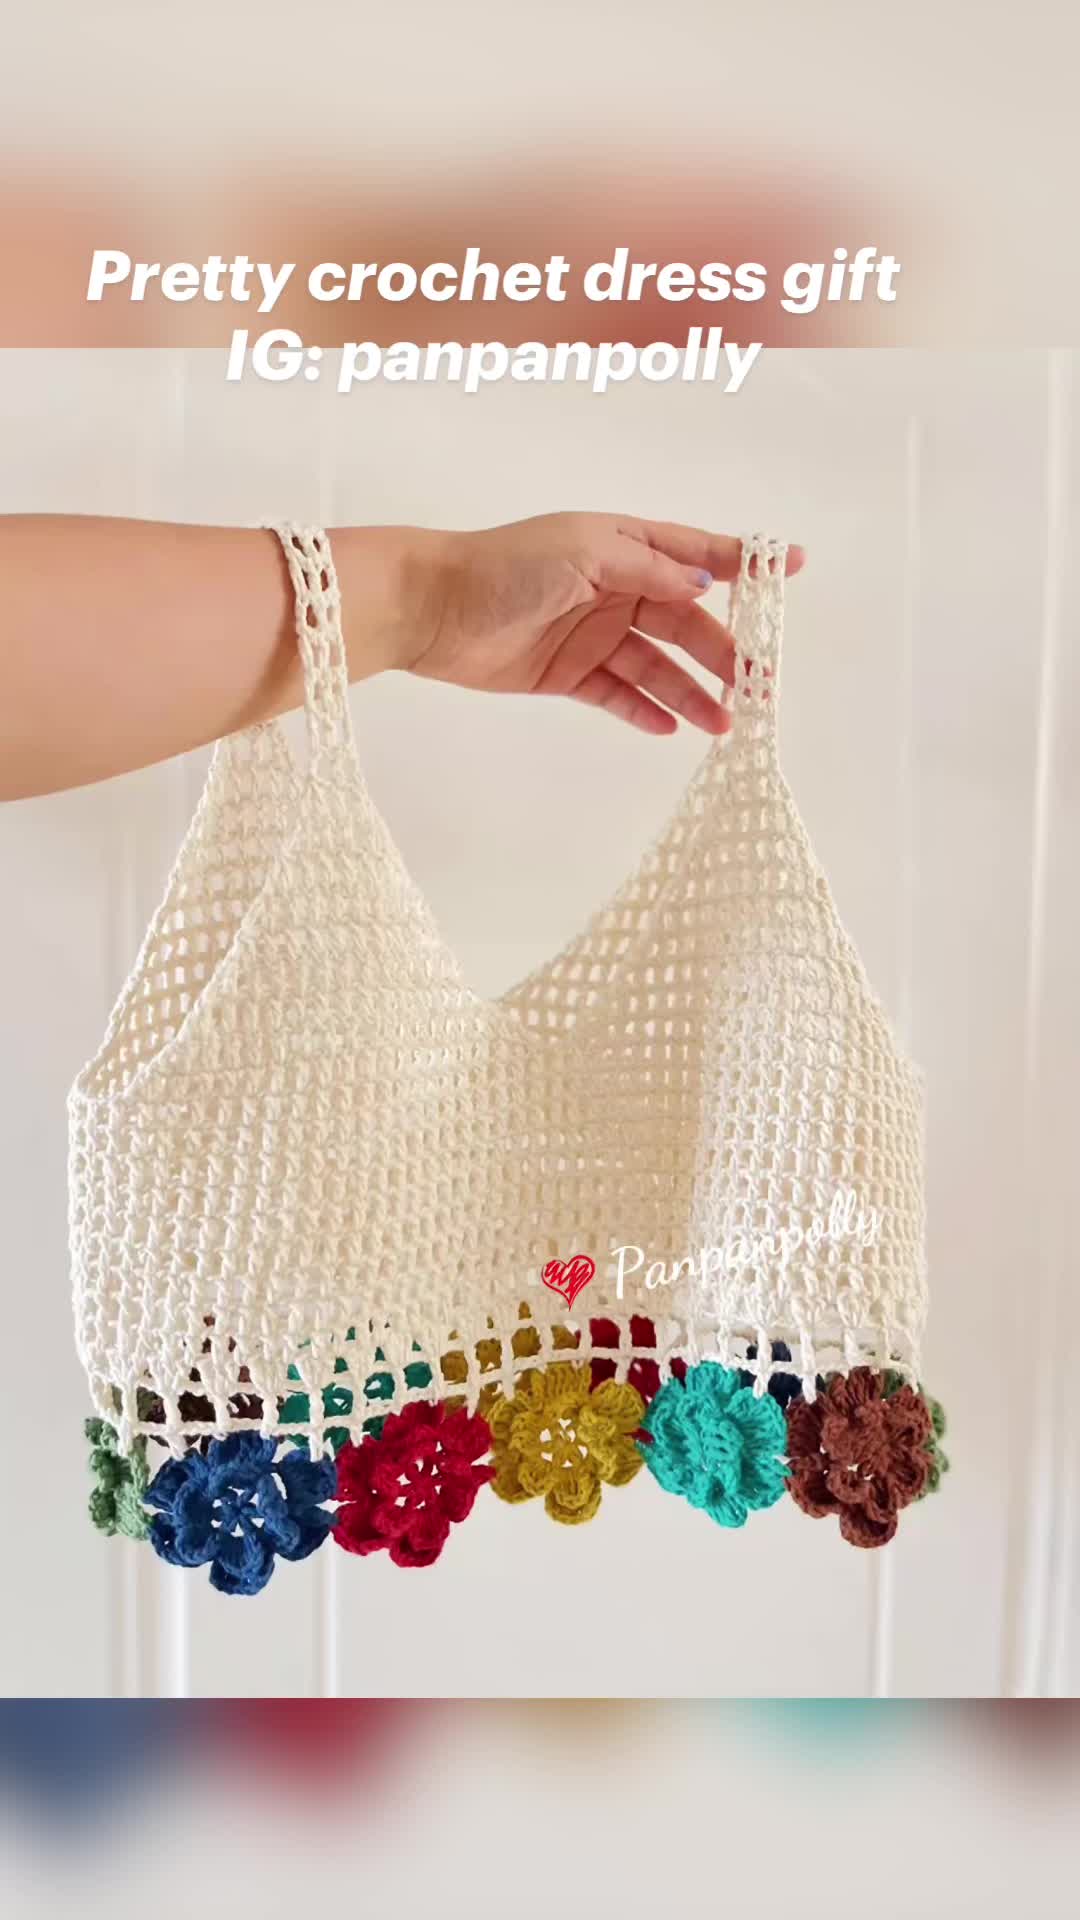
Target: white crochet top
[{"x": 307, "y": 1150}]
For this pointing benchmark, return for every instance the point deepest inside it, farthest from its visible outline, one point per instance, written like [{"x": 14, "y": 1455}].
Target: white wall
[{"x": 931, "y": 730}]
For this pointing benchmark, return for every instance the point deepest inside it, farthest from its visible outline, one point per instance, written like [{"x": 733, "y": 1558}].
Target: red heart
[{"x": 567, "y": 1277}]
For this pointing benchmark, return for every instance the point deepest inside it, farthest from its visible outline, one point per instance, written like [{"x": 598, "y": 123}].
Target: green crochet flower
[
  {"x": 939, "y": 1459},
  {"x": 717, "y": 1443},
  {"x": 116, "y": 1503}
]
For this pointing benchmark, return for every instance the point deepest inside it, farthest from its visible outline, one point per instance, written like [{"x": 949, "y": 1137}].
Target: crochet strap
[
  {"x": 757, "y": 621},
  {"x": 319, "y": 639}
]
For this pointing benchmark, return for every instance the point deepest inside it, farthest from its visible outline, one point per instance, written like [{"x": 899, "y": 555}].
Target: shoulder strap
[
  {"x": 319, "y": 639},
  {"x": 756, "y": 619}
]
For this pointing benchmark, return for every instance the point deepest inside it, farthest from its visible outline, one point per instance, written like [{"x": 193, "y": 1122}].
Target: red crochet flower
[
  {"x": 404, "y": 1489},
  {"x": 859, "y": 1453},
  {"x": 643, "y": 1374}
]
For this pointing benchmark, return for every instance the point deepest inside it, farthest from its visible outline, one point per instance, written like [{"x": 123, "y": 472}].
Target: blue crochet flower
[
  {"x": 237, "y": 1506},
  {"x": 717, "y": 1443}
]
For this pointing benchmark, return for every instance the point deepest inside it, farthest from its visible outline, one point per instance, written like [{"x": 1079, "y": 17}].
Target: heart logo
[{"x": 567, "y": 1277}]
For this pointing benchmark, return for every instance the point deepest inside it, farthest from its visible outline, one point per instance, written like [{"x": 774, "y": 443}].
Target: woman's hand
[
  {"x": 573, "y": 603},
  {"x": 153, "y": 638}
]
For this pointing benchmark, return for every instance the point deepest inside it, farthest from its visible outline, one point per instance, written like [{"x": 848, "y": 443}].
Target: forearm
[{"x": 123, "y": 642}]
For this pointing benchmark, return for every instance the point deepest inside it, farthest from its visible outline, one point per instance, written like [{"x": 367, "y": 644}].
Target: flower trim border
[{"x": 868, "y": 1446}]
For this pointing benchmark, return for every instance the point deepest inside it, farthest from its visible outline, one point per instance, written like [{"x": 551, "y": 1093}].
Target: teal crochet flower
[
  {"x": 116, "y": 1503},
  {"x": 380, "y": 1386},
  {"x": 338, "y": 1400},
  {"x": 296, "y": 1409},
  {"x": 717, "y": 1443}
]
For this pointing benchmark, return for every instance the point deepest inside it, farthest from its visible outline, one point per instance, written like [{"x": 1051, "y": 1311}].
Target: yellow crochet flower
[
  {"x": 559, "y": 1439},
  {"x": 525, "y": 1343}
]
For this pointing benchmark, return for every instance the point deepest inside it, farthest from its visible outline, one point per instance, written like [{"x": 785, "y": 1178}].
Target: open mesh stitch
[{"x": 308, "y": 1158}]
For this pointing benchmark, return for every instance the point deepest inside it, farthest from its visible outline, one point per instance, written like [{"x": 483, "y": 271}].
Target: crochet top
[{"x": 308, "y": 1156}]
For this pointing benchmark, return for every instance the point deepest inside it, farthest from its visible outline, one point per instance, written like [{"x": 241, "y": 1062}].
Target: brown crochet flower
[{"x": 859, "y": 1453}]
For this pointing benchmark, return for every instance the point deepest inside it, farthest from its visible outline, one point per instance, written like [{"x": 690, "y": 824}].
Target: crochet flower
[
  {"x": 295, "y": 1411},
  {"x": 526, "y": 1343},
  {"x": 560, "y": 1439},
  {"x": 860, "y": 1452},
  {"x": 236, "y": 1507},
  {"x": 382, "y": 1386},
  {"x": 939, "y": 1459},
  {"x": 196, "y": 1409},
  {"x": 404, "y": 1488},
  {"x": 717, "y": 1443},
  {"x": 116, "y": 1503},
  {"x": 337, "y": 1400},
  {"x": 783, "y": 1387},
  {"x": 642, "y": 1373}
]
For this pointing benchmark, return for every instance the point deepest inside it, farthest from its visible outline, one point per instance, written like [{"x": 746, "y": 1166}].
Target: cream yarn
[{"x": 303, "y": 1126}]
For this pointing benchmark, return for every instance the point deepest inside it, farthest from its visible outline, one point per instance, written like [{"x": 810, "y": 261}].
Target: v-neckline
[{"x": 504, "y": 1004}]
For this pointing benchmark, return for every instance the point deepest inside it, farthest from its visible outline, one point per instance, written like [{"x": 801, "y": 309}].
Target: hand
[
  {"x": 155, "y": 638},
  {"x": 573, "y": 603}
]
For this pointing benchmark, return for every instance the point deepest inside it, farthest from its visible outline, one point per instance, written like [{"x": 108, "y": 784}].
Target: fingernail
[{"x": 704, "y": 579}]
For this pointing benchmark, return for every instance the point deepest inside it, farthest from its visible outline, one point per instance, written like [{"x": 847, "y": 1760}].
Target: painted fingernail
[{"x": 704, "y": 579}]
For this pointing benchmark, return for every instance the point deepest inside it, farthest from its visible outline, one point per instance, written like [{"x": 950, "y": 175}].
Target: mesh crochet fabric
[{"x": 307, "y": 1153}]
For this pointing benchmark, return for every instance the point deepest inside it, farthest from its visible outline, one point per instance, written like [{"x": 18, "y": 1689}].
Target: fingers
[
  {"x": 634, "y": 571},
  {"x": 664, "y": 568},
  {"x": 604, "y": 689},
  {"x": 659, "y": 560},
  {"x": 715, "y": 553},
  {"x": 639, "y": 664},
  {"x": 688, "y": 626}
]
